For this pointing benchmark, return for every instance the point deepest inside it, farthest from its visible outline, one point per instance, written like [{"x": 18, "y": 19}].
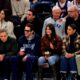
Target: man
[
  {"x": 32, "y": 18},
  {"x": 73, "y": 17},
  {"x": 77, "y": 3},
  {"x": 29, "y": 45},
  {"x": 59, "y": 23},
  {"x": 8, "y": 50}
]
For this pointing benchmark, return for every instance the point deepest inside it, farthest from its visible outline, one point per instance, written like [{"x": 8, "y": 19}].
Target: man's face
[
  {"x": 27, "y": 31},
  {"x": 3, "y": 36},
  {"x": 72, "y": 12},
  {"x": 30, "y": 16},
  {"x": 56, "y": 14}
]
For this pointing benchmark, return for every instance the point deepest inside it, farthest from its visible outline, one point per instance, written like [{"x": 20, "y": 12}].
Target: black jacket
[{"x": 9, "y": 48}]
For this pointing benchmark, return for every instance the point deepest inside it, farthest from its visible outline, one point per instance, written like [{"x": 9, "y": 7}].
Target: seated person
[
  {"x": 5, "y": 22},
  {"x": 8, "y": 52},
  {"x": 29, "y": 45},
  {"x": 71, "y": 46},
  {"x": 50, "y": 48}
]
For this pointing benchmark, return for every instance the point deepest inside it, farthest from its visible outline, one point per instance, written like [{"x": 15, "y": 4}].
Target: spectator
[
  {"x": 30, "y": 42},
  {"x": 71, "y": 46},
  {"x": 32, "y": 18},
  {"x": 5, "y": 23},
  {"x": 77, "y": 3},
  {"x": 20, "y": 8},
  {"x": 73, "y": 18},
  {"x": 64, "y": 4},
  {"x": 8, "y": 50},
  {"x": 50, "y": 43},
  {"x": 59, "y": 23}
]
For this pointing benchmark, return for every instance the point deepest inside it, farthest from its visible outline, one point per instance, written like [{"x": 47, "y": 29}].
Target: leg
[
  {"x": 41, "y": 62},
  {"x": 7, "y": 68},
  {"x": 73, "y": 68},
  {"x": 28, "y": 67},
  {"x": 52, "y": 61},
  {"x": 15, "y": 68},
  {"x": 63, "y": 67}
]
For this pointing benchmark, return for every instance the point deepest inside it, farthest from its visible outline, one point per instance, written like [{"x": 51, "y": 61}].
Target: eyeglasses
[
  {"x": 71, "y": 11},
  {"x": 27, "y": 30}
]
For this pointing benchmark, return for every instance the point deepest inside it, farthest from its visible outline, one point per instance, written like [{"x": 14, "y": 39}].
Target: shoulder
[
  {"x": 12, "y": 40},
  {"x": 9, "y": 23},
  {"x": 26, "y": 1},
  {"x": 58, "y": 38},
  {"x": 49, "y": 18}
]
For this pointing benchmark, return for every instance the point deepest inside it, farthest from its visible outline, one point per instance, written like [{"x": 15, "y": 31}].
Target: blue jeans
[
  {"x": 51, "y": 60},
  {"x": 68, "y": 65}
]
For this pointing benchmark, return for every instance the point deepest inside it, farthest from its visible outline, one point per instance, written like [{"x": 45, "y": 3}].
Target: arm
[
  {"x": 27, "y": 7},
  {"x": 10, "y": 28}
]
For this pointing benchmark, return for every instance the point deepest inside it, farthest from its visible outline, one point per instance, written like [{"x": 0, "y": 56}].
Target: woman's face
[
  {"x": 2, "y": 15},
  {"x": 48, "y": 31},
  {"x": 70, "y": 31}
]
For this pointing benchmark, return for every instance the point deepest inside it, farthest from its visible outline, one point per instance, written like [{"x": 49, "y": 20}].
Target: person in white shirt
[
  {"x": 20, "y": 8},
  {"x": 6, "y": 24},
  {"x": 59, "y": 23}
]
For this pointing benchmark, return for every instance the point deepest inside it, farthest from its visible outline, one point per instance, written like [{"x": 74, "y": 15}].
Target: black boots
[
  {"x": 63, "y": 76},
  {"x": 74, "y": 76},
  {"x": 55, "y": 72}
]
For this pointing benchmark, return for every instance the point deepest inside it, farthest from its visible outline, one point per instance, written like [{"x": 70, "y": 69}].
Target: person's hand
[
  {"x": 24, "y": 58},
  {"x": 51, "y": 46},
  {"x": 34, "y": 1},
  {"x": 1, "y": 57},
  {"x": 46, "y": 57},
  {"x": 21, "y": 53},
  {"x": 69, "y": 55}
]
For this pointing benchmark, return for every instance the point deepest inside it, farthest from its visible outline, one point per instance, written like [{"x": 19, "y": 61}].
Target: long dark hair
[
  {"x": 51, "y": 27},
  {"x": 7, "y": 14}
]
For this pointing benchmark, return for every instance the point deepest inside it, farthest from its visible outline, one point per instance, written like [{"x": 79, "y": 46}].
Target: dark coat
[
  {"x": 45, "y": 45},
  {"x": 70, "y": 20},
  {"x": 9, "y": 48}
]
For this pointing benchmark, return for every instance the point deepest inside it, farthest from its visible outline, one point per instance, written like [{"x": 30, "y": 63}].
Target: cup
[{"x": 22, "y": 51}]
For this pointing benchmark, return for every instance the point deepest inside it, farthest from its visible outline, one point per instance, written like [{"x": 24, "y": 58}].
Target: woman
[
  {"x": 5, "y": 23},
  {"x": 71, "y": 46},
  {"x": 50, "y": 48}
]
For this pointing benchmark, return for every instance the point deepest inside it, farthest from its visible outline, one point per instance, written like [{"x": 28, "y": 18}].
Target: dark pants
[
  {"x": 11, "y": 66},
  {"x": 1, "y": 70},
  {"x": 26, "y": 67}
]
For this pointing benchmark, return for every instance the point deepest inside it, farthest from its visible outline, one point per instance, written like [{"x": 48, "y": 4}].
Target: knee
[{"x": 41, "y": 60}]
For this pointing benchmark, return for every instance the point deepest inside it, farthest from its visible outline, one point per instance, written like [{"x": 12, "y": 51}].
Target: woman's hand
[
  {"x": 51, "y": 46},
  {"x": 69, "y": 55}
]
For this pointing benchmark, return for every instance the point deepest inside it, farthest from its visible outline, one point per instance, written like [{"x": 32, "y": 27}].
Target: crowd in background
[{"x": 39, "y": 31}]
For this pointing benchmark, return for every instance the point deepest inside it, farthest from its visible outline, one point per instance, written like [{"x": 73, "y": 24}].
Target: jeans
[
  {"x": 51, "y": 60},
  {"x": 68, "y": 65}
]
